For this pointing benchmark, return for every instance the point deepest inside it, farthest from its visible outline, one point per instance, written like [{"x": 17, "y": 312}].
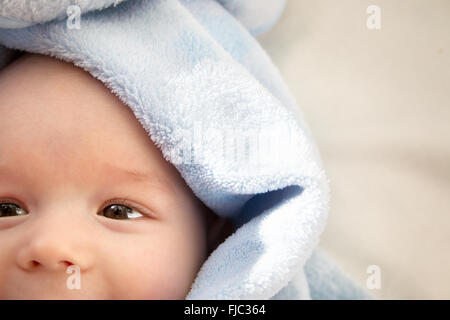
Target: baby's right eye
[{"x": 11, "y": 209}]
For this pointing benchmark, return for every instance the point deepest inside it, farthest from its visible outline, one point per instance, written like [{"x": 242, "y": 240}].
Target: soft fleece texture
[
  {"x": 194, "y": 76},
  {"x": 24, "y": 13}
]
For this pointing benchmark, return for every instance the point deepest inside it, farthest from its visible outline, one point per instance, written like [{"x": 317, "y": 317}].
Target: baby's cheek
[
  {"x": 176, "y": 266},
  {"x": 157, "y": 266}
]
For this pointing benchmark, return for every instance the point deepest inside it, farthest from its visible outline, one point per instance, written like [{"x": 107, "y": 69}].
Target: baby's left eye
[
  {"x": 11, "y": 209},
  {"x": 118, "y": 211}
]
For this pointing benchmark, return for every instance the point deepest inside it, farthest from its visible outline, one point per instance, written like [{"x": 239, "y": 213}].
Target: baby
[{"x": 83, "y": 185}]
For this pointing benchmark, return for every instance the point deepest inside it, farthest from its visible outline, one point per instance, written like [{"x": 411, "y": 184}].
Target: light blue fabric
[
  {"x": 210, "y": 98},
  {"x": 6, "y": 22},
  {"x": 24, "y": 13},
  {"x": 327, "y": 281}
]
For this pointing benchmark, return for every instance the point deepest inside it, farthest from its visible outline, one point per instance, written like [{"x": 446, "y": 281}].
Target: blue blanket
[{"x": 211, "y": 99}]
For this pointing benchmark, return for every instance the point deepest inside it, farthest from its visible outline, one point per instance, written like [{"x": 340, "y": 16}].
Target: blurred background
[{"x": 378, "y": 104}]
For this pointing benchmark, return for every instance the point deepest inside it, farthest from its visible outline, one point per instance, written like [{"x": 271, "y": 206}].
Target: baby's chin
[
  {"x": 61, "y": 296},
  {"x": 39, "y": 293}
]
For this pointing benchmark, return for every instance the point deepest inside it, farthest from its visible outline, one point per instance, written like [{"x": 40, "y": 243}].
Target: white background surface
[{"x": 378, "y": 104}]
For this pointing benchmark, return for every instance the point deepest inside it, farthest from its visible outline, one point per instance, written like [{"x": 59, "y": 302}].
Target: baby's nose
[
  {"x": 44, "y": 254},
  {"x": 51, "y": 244}
]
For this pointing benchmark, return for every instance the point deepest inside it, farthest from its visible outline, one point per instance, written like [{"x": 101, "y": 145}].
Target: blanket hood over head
[{"x": 211, "y": 99}]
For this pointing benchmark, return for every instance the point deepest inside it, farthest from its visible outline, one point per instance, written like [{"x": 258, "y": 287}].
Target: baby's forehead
[
  {"x": 63, "y": 96},
  {"x": 41, "y": 83},
  {"x": 64, "y": 114}
]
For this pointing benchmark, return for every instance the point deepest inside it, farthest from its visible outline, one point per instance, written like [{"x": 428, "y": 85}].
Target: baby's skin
[{"x": 84, "y": 190}]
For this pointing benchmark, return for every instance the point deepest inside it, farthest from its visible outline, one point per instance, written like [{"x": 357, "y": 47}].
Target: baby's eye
[
  {"x": 118, "y": 211},
  {"x": 11, "y": 209}
]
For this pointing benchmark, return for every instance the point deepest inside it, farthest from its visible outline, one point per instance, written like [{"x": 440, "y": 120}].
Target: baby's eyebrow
[
  {"x": 134, "y": 174},
  {"x": 140, "y": 176},
  {"x": 150, "y": 178}
]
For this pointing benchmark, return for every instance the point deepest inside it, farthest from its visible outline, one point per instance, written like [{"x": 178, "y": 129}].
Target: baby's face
[{"x": 82, "y": 184}]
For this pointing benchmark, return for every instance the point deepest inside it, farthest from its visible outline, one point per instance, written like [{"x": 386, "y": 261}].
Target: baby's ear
[{"x": 219, "y": 228}]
